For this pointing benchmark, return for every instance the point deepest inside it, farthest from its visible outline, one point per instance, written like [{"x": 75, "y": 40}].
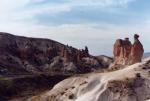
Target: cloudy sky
[{"x": 95, "y": 23}]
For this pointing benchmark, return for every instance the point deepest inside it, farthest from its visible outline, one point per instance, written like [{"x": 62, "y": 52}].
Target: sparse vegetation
[{"x": 26, "y": 86}]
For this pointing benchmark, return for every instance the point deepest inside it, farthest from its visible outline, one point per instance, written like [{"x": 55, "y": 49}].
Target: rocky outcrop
[
  {"x": 129, "y": 84},
  {"x": 21, "y": 55},
  {"x": 137, "y": 50},
  {"x": 118, "y": 52},
  {"x": 127, "y": 54},
  {"x": 127, "y": 50},
  {"x": 122, "y": 49}
]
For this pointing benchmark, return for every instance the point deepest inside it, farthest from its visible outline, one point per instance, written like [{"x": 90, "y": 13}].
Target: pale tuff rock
[{"x": 128, "y": 84}]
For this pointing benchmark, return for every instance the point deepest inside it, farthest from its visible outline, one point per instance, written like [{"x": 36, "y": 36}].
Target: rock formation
[
  {"x": 86, "y": 51},
  {"x": 137, "y": 50},
  {"x": 127, "y": 50},
  {"x": 129, "y": 84},
  {"x": 67, "y": 56},
  {"x": 125, "y": 53},
  {"x": 35, "y": 55},
  {"x": 118, "y": 52}
]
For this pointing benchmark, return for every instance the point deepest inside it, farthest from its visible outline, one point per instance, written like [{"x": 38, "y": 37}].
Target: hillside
[
  {"x": 24, "y": 55},
  {"x": 128, "y": 84},
  {"x": 29, "y": 66}
]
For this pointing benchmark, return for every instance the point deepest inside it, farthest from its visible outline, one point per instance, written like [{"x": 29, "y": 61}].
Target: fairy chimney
[
  {"x": 125, "y": 53},
  {"x": 137, "y": 50}
]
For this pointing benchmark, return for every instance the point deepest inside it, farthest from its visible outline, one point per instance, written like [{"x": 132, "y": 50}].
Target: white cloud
[
  {"x": 17, "y": 10},
  {"x": 36, "y": 1},
  {"x": 99, "y": 37},
  {"x": 103, "y": 3},
  {"x": 12, "y": 10},
  {"x": 9, "y": 8}
]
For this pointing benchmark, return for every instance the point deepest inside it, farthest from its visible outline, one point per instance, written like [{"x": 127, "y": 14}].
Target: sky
[{"x": 78, "y": 23}]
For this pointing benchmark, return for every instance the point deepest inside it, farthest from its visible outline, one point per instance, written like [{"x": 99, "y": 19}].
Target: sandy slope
[{"x": 129, "y": 84}]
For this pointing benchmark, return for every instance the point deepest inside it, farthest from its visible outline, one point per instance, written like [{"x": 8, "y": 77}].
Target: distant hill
[
  {"x": 24, "y": 55},
  {"x": 146, "y": 55}
]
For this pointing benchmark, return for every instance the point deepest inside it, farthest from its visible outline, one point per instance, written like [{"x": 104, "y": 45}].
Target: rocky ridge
[{"x": 22, "y": 55}]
